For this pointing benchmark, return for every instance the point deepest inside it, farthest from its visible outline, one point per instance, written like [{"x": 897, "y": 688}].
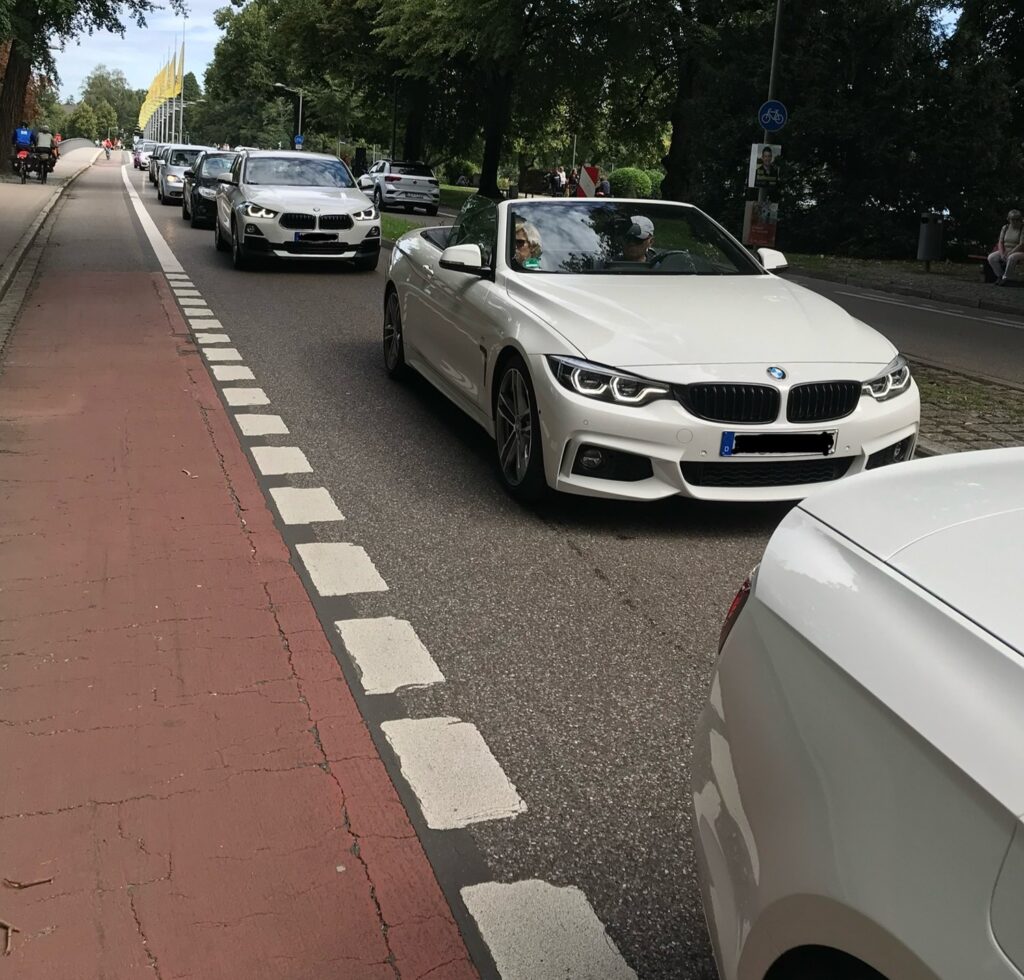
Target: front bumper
[
  {"x": 266, "y": 236},
  {"x": 680, "y": 452},
  {"x": 171, "y": 190}
]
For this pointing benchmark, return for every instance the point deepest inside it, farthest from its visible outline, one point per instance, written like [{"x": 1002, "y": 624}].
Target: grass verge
[
  {"x": 454, "y": 197},
  {"x": 884, "y": 268},
  {"x": 394, "y": 228}
]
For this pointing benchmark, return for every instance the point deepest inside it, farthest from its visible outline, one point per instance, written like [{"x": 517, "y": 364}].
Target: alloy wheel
[
  {"x": 392, "y": 334},
  {"x": 514, "y": 427}
]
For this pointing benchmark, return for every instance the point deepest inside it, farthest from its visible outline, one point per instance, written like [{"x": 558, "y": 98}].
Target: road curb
[
  {"x": 975, "y": 304},
  {"x": 926, "y": 448},
  {"x": 11, "y": 266}
]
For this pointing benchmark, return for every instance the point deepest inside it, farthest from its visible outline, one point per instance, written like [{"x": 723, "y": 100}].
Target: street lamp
[{"x": 296, "y": 92}]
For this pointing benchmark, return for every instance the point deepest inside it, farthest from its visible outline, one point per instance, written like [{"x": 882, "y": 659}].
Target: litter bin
[
  {"x": 513, "y": 192},
  {"x": 929, "y": 239}
]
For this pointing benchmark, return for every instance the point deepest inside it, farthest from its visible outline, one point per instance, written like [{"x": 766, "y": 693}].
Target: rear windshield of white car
[
  {"x": 296, "y": 172},
  {"x": 411, "y": 170},
  {"x": 616, "y": 238}
]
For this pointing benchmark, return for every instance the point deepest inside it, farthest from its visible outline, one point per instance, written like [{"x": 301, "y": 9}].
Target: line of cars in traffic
[{"x": 857, "y": 802}]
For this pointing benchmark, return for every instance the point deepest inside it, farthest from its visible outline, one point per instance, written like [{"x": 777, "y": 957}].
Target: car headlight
[
  {"x": 893, "y": 381},
  {"x": 173, "y": 179},
  {"x": 207, "y": 192},
  {"x": 605, "y": 384},
  {"x": 255, "y": 211},
  {"x": 370, "y": 214}
]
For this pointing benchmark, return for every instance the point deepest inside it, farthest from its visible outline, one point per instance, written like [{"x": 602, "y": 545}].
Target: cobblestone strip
[{"x": 960, "y": 412}]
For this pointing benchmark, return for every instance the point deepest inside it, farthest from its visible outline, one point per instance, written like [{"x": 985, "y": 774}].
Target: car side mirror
[
  {"x": 772, "y": 259},
  {"x": 464, "y": 258},
  {"x": 227, "y": 179},
  {"x": 364, "y": 181},
  {"x": 190, "y": 173}
]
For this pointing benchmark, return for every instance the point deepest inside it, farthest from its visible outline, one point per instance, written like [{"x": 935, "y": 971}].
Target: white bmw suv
[{"x": 294, "y": 205}]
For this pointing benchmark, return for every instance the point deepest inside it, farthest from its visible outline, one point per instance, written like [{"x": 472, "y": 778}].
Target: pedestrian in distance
[
  {"x": 604, "y": 187},
  {"x": 1009, "y": 251}
]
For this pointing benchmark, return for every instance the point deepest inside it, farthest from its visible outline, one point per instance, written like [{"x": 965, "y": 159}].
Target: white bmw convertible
[{"x": 635, "y": 350}]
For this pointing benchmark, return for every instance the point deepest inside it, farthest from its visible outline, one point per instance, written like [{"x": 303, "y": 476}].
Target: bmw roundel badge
[{"x": 777, "y": 373}]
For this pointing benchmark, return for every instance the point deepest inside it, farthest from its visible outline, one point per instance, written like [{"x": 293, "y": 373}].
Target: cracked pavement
[{"x": 182, "y": 753}]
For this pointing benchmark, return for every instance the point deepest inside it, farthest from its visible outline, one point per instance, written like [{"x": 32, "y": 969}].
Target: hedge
[{"x": 630, "y": 182}]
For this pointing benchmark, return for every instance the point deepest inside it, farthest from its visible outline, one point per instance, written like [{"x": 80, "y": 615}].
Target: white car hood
[
  {"x": 653, "y": 321},
  {"x": 330, "y": 199}
]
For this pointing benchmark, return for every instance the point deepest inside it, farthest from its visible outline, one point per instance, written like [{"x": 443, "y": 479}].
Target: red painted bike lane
[{"x": 185, "y": 771}]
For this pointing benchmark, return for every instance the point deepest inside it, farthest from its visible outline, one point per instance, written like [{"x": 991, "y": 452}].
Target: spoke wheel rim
[
  {"x": 514, "y": 427},
  {"x": 392, "y": 334}
]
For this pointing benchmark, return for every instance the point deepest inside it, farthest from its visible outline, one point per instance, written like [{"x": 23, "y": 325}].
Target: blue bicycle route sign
[
  {"x": 298, "y": 141},
  {"x": 772, "y": 116}
]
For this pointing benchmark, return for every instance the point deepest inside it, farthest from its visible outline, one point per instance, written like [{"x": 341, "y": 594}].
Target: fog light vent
[{"x": 611, "y": 464}]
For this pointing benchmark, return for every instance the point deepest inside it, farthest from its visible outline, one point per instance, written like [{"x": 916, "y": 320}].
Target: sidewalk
[
  {"x": 186, "y": 774},
  {"x": 21, "y": 204}
]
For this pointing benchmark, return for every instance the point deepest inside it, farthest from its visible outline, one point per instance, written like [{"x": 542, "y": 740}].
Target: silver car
[
  {"x": 155, "y": 158},
  {"x": 285, "y": 204},
  {"x": 170, "y": 177},
  {"x": 398, "y": 183}
]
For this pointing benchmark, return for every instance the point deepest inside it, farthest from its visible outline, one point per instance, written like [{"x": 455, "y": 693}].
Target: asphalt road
[{"x": 580, "y": 639}]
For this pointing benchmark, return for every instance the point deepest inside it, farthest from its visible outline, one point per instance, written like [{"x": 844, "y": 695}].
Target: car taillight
[
  {"x": 735, "y": 608},
  {"x": 392, "y": 178}
]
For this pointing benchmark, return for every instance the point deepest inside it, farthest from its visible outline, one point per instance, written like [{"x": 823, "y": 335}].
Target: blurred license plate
[
  {"x": 315, "y": 236},
  {"x": 778, "y": 443}
]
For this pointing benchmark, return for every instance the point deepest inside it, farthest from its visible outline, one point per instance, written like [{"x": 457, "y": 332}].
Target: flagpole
[{"x": 181, "y": 94}]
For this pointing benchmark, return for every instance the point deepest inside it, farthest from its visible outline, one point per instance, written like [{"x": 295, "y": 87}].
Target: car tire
[
  {"x": 192, "y": 220},
  {"x": 519, "y": 455},
  {"x": 184, "y": 208},
  {"x": 394, "y": 343},
  {"x": 378, "y": 201},
  {"x": 239, "y": 256},
  {"x": 218, "y": 238},
  {"x": 432, "y": 210},
  {"x": 366, "y": 263}
]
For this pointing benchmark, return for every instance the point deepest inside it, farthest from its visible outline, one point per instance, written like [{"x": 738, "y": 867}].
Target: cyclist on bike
[
  {"x": 107, "y": 147},
  {"x": 42, "y": 141}
]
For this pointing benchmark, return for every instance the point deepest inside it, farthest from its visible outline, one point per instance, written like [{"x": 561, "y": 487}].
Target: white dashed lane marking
[
  {"x": 176, "y": 275},
  {"x": 186, "y": 293},
  {"x": 259, "y": 425},
  {"x": 536, "y": 931},
  {"x": 451, "y": 770},
  {"x": 205, "y": 324},
  {"x": 212, "y": 338},
  {"x": 191, "y": 303},
  {"x": 239, "y": 397},
  {"x": 340, "y": 569},
  {"x": 194, "y": 311},
  {"x": 298, "y": 505},
  {"x": 221, "y": 354},
  {"x": 389, "y": 654},
  {"x": 280, "y": 460},
  {"x": 232, "y": 372}
]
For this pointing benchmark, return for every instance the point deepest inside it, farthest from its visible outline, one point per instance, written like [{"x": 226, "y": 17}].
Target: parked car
[
  {"x": 856, "y": 776},
  {"x": 683, "y": 367},
  {"x": 199, "y": 188},
  {"x": 155, "y": 159},
  {"x": 171, "y": 176},
  {"x": 140, "y": 154},
  {"x": 398, "y": 183},
  {"x": 294, "y": 205}
]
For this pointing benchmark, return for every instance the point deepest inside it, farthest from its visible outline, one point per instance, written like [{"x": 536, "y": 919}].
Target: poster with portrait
[{"x": 764, "y": 165}]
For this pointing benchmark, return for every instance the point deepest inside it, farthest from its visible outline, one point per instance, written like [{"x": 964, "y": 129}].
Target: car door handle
[{"x": 428, "y": 268}]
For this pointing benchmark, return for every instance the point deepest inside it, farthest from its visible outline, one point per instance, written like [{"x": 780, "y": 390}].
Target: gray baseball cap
[{"x": 642, "y": 228}]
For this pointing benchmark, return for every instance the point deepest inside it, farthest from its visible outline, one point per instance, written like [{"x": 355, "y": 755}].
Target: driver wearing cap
[{"x": 638, "y": 241}]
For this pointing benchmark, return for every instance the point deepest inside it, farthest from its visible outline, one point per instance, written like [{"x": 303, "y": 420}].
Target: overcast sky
[{"x": 142, "y": 52}]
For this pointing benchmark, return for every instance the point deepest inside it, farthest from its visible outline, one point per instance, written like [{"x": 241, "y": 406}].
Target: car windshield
[
  {"x": 183, "y": 158},
  {"x": 214, "y": 165},
  {"x": 297, "y": 172},
  {"x": 618, "y": 238},
  {"x": 411, "y": 170}
]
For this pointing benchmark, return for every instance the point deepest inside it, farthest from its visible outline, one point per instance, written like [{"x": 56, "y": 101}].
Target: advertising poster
[
  {"x": 760, "y": 220},
  {"x": 764, "y": 165}
]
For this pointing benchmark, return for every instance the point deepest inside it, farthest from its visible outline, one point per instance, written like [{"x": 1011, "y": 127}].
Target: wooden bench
[{"x": 986, "y": 270}]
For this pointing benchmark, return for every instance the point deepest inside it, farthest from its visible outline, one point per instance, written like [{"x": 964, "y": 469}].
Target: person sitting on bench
[{"x": 1009, "y": 252}]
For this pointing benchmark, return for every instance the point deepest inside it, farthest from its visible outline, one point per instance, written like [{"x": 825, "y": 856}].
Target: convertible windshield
[
  {"x": 296, "y": 172},
  {"x": 618, "y": 238}
]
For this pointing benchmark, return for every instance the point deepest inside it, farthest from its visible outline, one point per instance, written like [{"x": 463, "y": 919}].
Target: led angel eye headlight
[{"x": 893, "y": 381}]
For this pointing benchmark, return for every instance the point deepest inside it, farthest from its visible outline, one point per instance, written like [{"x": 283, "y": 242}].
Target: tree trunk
[
  {"x": 15, "y": 87},
  {"x": 415, "y": 120},
  {"x": 498, "y": 110},
  {"x": 676, "y": 185}
]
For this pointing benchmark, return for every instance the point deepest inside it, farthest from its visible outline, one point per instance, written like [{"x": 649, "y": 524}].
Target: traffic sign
[
  {"x": 298, "y": 141},
  {"x": 772, "y": 116}
]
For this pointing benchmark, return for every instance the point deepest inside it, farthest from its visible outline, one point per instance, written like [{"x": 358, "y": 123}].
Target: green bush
[
  {"x": 630, "y": 182},
  {"x": 451, "y": 170},
  {"x": 656, "y": 177}
]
